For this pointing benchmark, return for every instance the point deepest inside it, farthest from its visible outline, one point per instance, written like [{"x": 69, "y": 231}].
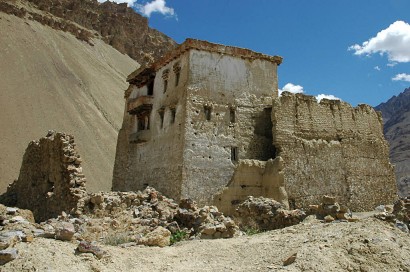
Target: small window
[
  {"x": 234, "y": 154},
  {"x": 177, "y": 75},
  {"x": 165, "y": 76},
  {"x": 143, "y": 123},
  {"x": 150, "y": 87},
  {"x": 177, "y": 71},
  {"x": 232, "y": 115},
  {"x": 173, "y": 113},
  {"x": 207, "y": 112},
  {"x": 161, "y": 115},
  {"x": 165, "y": 85}
]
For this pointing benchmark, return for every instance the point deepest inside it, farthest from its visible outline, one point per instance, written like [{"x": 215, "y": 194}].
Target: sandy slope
[
  {"x": 51, "y": 80},
  {"x": 367, "y": 245}
]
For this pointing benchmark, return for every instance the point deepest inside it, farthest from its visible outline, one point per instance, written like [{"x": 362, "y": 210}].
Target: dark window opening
[
  {"x": 165, "y": 76},
  {"x": 207, "y": 112},
  {"x": 165, "y": 85},
  {"x": 161, "y": 115},
  {"x": 150, "y": 87},
  {"x": 177, "y": 75},
  {"x": 232, "y": 115},
  {"x": 177, "y": 71},
  {"x": 234, "y": 154},
  {"x": 173, "y": 113},
  {"x": 263, "y": 150},
  {"x": 143, "y": 123}
]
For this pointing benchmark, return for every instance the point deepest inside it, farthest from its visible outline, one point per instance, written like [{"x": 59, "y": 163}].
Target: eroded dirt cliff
[{"x": 51, "y": 79}]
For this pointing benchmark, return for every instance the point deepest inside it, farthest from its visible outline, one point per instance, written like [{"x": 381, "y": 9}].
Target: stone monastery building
[{"x": 206, "y": 122}]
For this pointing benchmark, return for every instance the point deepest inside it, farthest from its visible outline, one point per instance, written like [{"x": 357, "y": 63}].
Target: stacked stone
[
  {"x": 72, "y": 163},
  {"x": 329, "y": 210},
  {"x": 206, "y": 222},
  {"x": 401, "y": 210},
  {"x": 50, "y": 179},
  {"x": 266, "y": 214}
]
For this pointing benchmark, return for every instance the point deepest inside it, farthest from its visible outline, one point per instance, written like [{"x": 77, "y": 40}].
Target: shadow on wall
[
  {"x": 253, "y": 178},
  {"x": 261, "y": 147}
]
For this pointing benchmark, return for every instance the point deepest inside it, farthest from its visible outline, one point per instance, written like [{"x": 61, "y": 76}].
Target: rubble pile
[
  {"x": 206, "y": 222},
  {"x": 329, "y": 210},
  {"x": 117, "y": 218},
  {"x": 399, "y": 215},
  {"x": 262, "y": 214},
  {"x": 401, "y": 210},
  {"x": 16, "y": 225},
  {"x": 266, "y": 214}
]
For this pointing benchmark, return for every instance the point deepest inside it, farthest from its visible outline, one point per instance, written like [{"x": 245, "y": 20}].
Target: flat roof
[{"x": 141, "y": 74}]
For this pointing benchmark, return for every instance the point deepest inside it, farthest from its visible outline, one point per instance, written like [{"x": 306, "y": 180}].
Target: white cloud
[
  {"x": 393, "y": 41},
  {"x": 292, "y": 88},
  {"x": 401, "y": 77},
  {"x": 159, "y": 6},
  {"x": 377, "y": 68},
  {"x": 319, "y": 97},
  {"x": 289, "y": 87}
]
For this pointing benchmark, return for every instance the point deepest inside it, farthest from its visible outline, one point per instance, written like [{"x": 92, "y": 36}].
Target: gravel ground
[{"x": 366, "y": 245}]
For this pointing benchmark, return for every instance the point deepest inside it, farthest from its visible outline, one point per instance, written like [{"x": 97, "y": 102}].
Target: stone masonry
[
  {"x": 181, "y": 132},
  {"x": 206, "y": 122},
  {"x": 332, "y": 148},
  {"x": 51, "y": 178}
]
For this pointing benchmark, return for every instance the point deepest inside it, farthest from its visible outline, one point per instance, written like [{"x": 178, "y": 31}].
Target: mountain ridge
[
  {"x": 117, "y": 24},
  {"x": 396, "y": 116}
]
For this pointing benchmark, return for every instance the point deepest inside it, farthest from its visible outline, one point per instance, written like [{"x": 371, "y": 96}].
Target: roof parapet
[{"x": 139, "y": 75}]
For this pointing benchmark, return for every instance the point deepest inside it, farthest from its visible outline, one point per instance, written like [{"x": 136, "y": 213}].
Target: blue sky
[{"x": 312, "y": 36}]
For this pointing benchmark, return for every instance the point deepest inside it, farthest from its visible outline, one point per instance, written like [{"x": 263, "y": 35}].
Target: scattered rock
[
  {"x": 290, "y": 260},
  {"x": 27, "y": 238},
  {"x": 329, "y": 218},
  {"x": 64, "y": 231},
  {"x": 7, "y": 255},
  {"x": 403, "y": 227},
  {"x": 11, "y": 210},
  {"x": 159, "y": 237},
  {"x": 87, "y": 247}
]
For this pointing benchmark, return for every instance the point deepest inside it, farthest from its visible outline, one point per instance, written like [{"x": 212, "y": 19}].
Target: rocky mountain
[
  {"x": 118, "y": 25},
  {"x": 59, "y": 71},
  {"x": 396, "y": 116}
]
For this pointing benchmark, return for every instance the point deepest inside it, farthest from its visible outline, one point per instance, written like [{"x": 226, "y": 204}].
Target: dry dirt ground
[
  {"x": 51, "y": 80},
  {"x": 366, "y": 245}
]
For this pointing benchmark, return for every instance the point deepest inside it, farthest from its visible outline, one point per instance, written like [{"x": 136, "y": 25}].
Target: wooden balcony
[{"x": 140, "y": 105}]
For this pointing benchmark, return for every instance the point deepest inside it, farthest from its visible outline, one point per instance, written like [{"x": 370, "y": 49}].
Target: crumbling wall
[
  {"x": 50, "y": 180},
  {"x": 253, "y": 178},
  {"x": 332, "y": 148}
]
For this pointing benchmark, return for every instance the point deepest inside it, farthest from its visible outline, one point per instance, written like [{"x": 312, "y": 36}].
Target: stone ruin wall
[
  {"x": 332, "y": 148},
  {"x": 224, "y": 85},
  {"x": 50, "y": 180}
]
